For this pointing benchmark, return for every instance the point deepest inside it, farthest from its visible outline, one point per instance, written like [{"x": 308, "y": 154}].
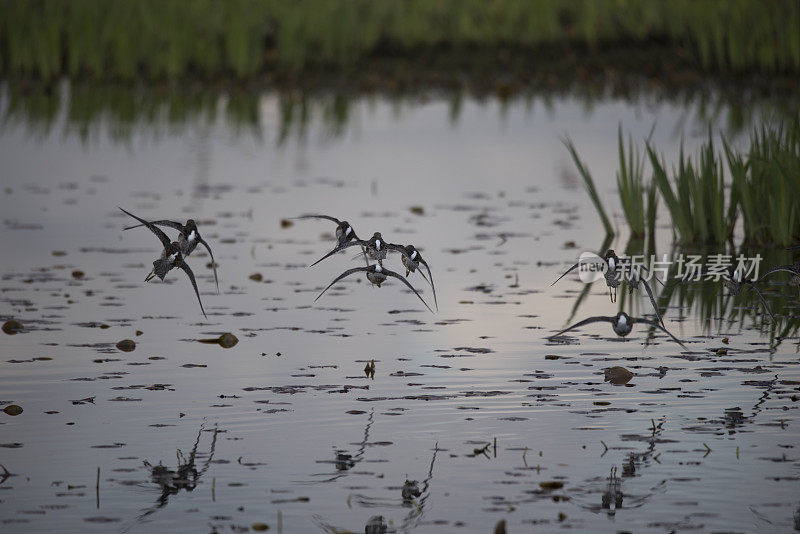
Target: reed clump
[{"x": 707, "y": 195}]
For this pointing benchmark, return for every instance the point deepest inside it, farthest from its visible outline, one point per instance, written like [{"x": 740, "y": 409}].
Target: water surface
[{"x": 286, "y": 428}]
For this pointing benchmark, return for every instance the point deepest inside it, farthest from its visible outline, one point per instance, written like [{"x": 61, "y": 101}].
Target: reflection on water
[
  {"x": 718, "y": 307},
  {"x": 184, "y": 477},
  {"x": 364, "y": 411},
  {"x": 413, "y": 496},
  {"x": 118, "y": 112},
  {"x": 343, "y": 461}
]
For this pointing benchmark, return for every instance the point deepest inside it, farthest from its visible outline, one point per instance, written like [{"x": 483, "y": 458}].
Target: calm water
[{"x": 285, "y": 428}]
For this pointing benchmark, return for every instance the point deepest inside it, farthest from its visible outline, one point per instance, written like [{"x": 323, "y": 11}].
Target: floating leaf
[
  {"x": 12, "y": 327},
  {"x": 126, "y": 345},
  {"x": 13, "y": 409},
  {"x": 618, "y": 375}
]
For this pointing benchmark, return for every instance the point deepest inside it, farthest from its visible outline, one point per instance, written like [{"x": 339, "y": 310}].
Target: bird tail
[{"x": 161, "y": 267}]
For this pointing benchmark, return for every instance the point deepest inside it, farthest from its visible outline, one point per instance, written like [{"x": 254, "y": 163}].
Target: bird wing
[
  {"x": 402, "y": 250},
  {"x": 345, "y": 274},
  {"x": 402, "y": 279},
  {"x": 363, "y": 254},
  {"x": 566, "y": 273},
  {"x": 314, "y": 216},
  {"x": 657, "y": 279},
  {"x": 429, "y": 283},
  {"x": 159, "y": 233},
  {"x": 652, "y": 300},
  {"x": 594, "y": 319},
  {"x": 655, "y": 323},
  {"x": 190, "y": 274},
  {"x": 172, "y": 224},
  {"x": 677, "y": 282},
  {"x": 213, "y": 263},
  {"x": 779, "y": 268},
  {"x": 397, "y": 248},
  {"x": 763, "y": 300},
  {"x": 338, "y": 248},
  {"x": 433, "y": 288}
]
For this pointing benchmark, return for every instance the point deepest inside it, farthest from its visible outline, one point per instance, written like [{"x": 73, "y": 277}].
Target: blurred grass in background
[{"x": 160, "y": 40}]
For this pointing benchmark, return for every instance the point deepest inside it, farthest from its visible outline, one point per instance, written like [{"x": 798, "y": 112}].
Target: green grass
[
  {"x": 241, "y": 39},
  {"x": 707, "y": 195},
  {"x": 631, "y": 186},
  {"x": 697, "y": 203},
  {"x": 766, "y": 183},
  {"x": 588, "y": 183}
]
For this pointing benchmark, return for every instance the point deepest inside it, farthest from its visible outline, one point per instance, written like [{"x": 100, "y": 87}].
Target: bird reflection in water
[
  {"x": 344, "y": 461},
  {"x": 413, "y": 495},
  {"x": 612, "y": 498},
  {"x": 185, "y": 477},
  {"x": 417, "y": 499}
]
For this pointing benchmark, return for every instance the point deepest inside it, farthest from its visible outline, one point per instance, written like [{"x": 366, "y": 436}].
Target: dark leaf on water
[
  {"x": 13, "y": 409},
  {"x": 126, "y": 345},
  {"x": 12, "y": 327},
  {"x": 226, "y": 340}
]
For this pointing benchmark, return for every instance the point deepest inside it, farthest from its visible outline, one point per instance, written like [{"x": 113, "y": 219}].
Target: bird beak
[{"x": 149, "y": 276}]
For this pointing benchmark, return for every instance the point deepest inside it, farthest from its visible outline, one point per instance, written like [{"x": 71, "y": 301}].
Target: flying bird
[
  {"x": 375, "y": 248},
  {"x": 188, "y": 238},
  {"x": 622, "y": 323},
  {"x": 376, "y": 275},
  {"x": 793, "y": 270},
  {"x": 611, "y": 271},
  {"x": 411, "y": 259},
  {"x": 633, "y": 280},
  {"x": 734, "y": 281},
  {"x": 171, "y": 257},
  {"x": 344, "y": 231}
]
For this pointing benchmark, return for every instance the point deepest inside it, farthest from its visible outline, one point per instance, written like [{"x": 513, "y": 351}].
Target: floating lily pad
[
  {"x": 618, "y": 375},
  {"x": 12, "y": 327},
  {"x": 126, "y": 345},
  {"x": 227, "y": 340},
  {"x": 13, "y": 409}
]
